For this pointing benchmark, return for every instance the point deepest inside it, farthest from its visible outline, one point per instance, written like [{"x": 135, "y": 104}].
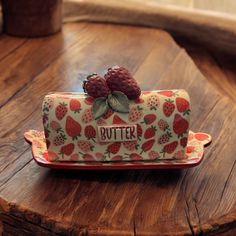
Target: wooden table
[{"x": 39, "y": 201}]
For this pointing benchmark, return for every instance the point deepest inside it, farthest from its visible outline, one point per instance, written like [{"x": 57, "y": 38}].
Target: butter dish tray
[{"x": 194, "y": 153}]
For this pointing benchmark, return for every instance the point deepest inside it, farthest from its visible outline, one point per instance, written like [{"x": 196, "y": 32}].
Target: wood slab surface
[{"x": 39, "y": 201}]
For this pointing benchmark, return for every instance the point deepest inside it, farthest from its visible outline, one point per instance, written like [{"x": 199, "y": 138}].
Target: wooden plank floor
[{"x": 43, "y": 202}]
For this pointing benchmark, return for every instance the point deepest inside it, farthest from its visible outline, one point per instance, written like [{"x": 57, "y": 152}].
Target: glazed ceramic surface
[
  {"x": 155, "y": 128},
  {"x": 194, "y": 153}
]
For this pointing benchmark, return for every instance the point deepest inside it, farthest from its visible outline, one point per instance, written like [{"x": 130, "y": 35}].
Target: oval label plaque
[{"x": 117, "y": 133}]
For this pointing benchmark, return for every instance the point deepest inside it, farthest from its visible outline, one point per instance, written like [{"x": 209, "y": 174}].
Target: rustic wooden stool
[{"x": 39, "y": 201}]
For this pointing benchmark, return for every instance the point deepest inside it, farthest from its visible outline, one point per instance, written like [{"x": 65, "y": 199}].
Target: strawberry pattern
[
  {"x": 194, "y": 154},
  {"x": 161, "y": 117}
]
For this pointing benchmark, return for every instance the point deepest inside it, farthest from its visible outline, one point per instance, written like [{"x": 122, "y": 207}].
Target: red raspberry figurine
[
  {"x": 95, "y": 86},
  {"x": 119, "y": 79}
]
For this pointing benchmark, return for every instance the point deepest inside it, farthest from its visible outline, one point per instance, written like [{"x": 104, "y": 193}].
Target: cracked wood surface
[{"x": 35, "y": 200}]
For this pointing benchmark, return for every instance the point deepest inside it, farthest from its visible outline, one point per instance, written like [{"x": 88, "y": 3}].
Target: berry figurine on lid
[{"x": 115, "y": 125}]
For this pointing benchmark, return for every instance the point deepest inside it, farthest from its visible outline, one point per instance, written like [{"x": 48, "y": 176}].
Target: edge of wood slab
[
  {"x": 32, "y": 222},
  {"x": 208, "y": 27}
]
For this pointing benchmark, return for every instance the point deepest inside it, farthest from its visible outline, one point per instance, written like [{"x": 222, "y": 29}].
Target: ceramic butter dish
[
  {"x": 156, "y": 126},
  {"x": 113, "y": 121}
]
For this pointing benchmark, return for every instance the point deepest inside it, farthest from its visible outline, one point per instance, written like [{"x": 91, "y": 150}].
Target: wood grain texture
[
  {"x": 49, "y": 202},
  {"x": 9, "y": 44},
  {"x": 216, "y": 67},
  {"x": 15, "y": 78}
]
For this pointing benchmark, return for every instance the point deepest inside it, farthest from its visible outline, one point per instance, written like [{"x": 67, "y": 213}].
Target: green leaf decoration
[
  {"x": 100, "y": 107},
  {"x": 119, "y": 102}
]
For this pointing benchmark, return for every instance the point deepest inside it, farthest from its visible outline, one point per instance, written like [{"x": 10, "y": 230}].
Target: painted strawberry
[
  {"x": 153, "y": 155},
  {"x": 99, "y": 156},
  {"x": 85, "y": 146},
  {"x": 89, "y": 100},
  {"x": 190, "y": 149},
  {"x": 183, "y": 142},
  {"x": 90, "y": 132},
  {"x": 180, "y": 125},
  {"x": 55, "y": 126},
  {"x": 163, "y": 125},
  {"x": 139, "y": 132},
  {"x": 61, "y": 110},
  {"x": 116, "y": 158},
  {"x": 170, "y": 147},
  {"x": 135, "y": 114},
  {"x": 167, "y": 93},
  {"x": 130, "y": 145},
  {"x": 73, "y": 128},
  {"x": 50, "y": 156},
  {"x": 37, "y": 143},
  {"x": 101, "y": 121},
  {"x": 87, "y": 116},
  {"x": 117, "y": 120},
  {"x": 183, "y": 105},
  {"x": 135, "y": 157},
  {"x": 153, "y": 102},
  {"x": 201, "y": 136},
  {"x": 75, "y": 105},
  {"x": 75, "y": 157},
  {"x": 147, "y": 145},
  {"x": 114, "y": 147},
  {"x": 67, "y": 149},
  {"x": 168, "y": 107},
  {"x": 139, "y": 100},
  {"x": 59, "y": 140},
  {"x": 150, "y": 132},
  {"x": 149, "y": 119},
  {"x": 180, "y": 154},
  {"x": 88, "y": 157},
  {"x": 164, "y": 138},
  {"x": 108, "y": 114}
]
